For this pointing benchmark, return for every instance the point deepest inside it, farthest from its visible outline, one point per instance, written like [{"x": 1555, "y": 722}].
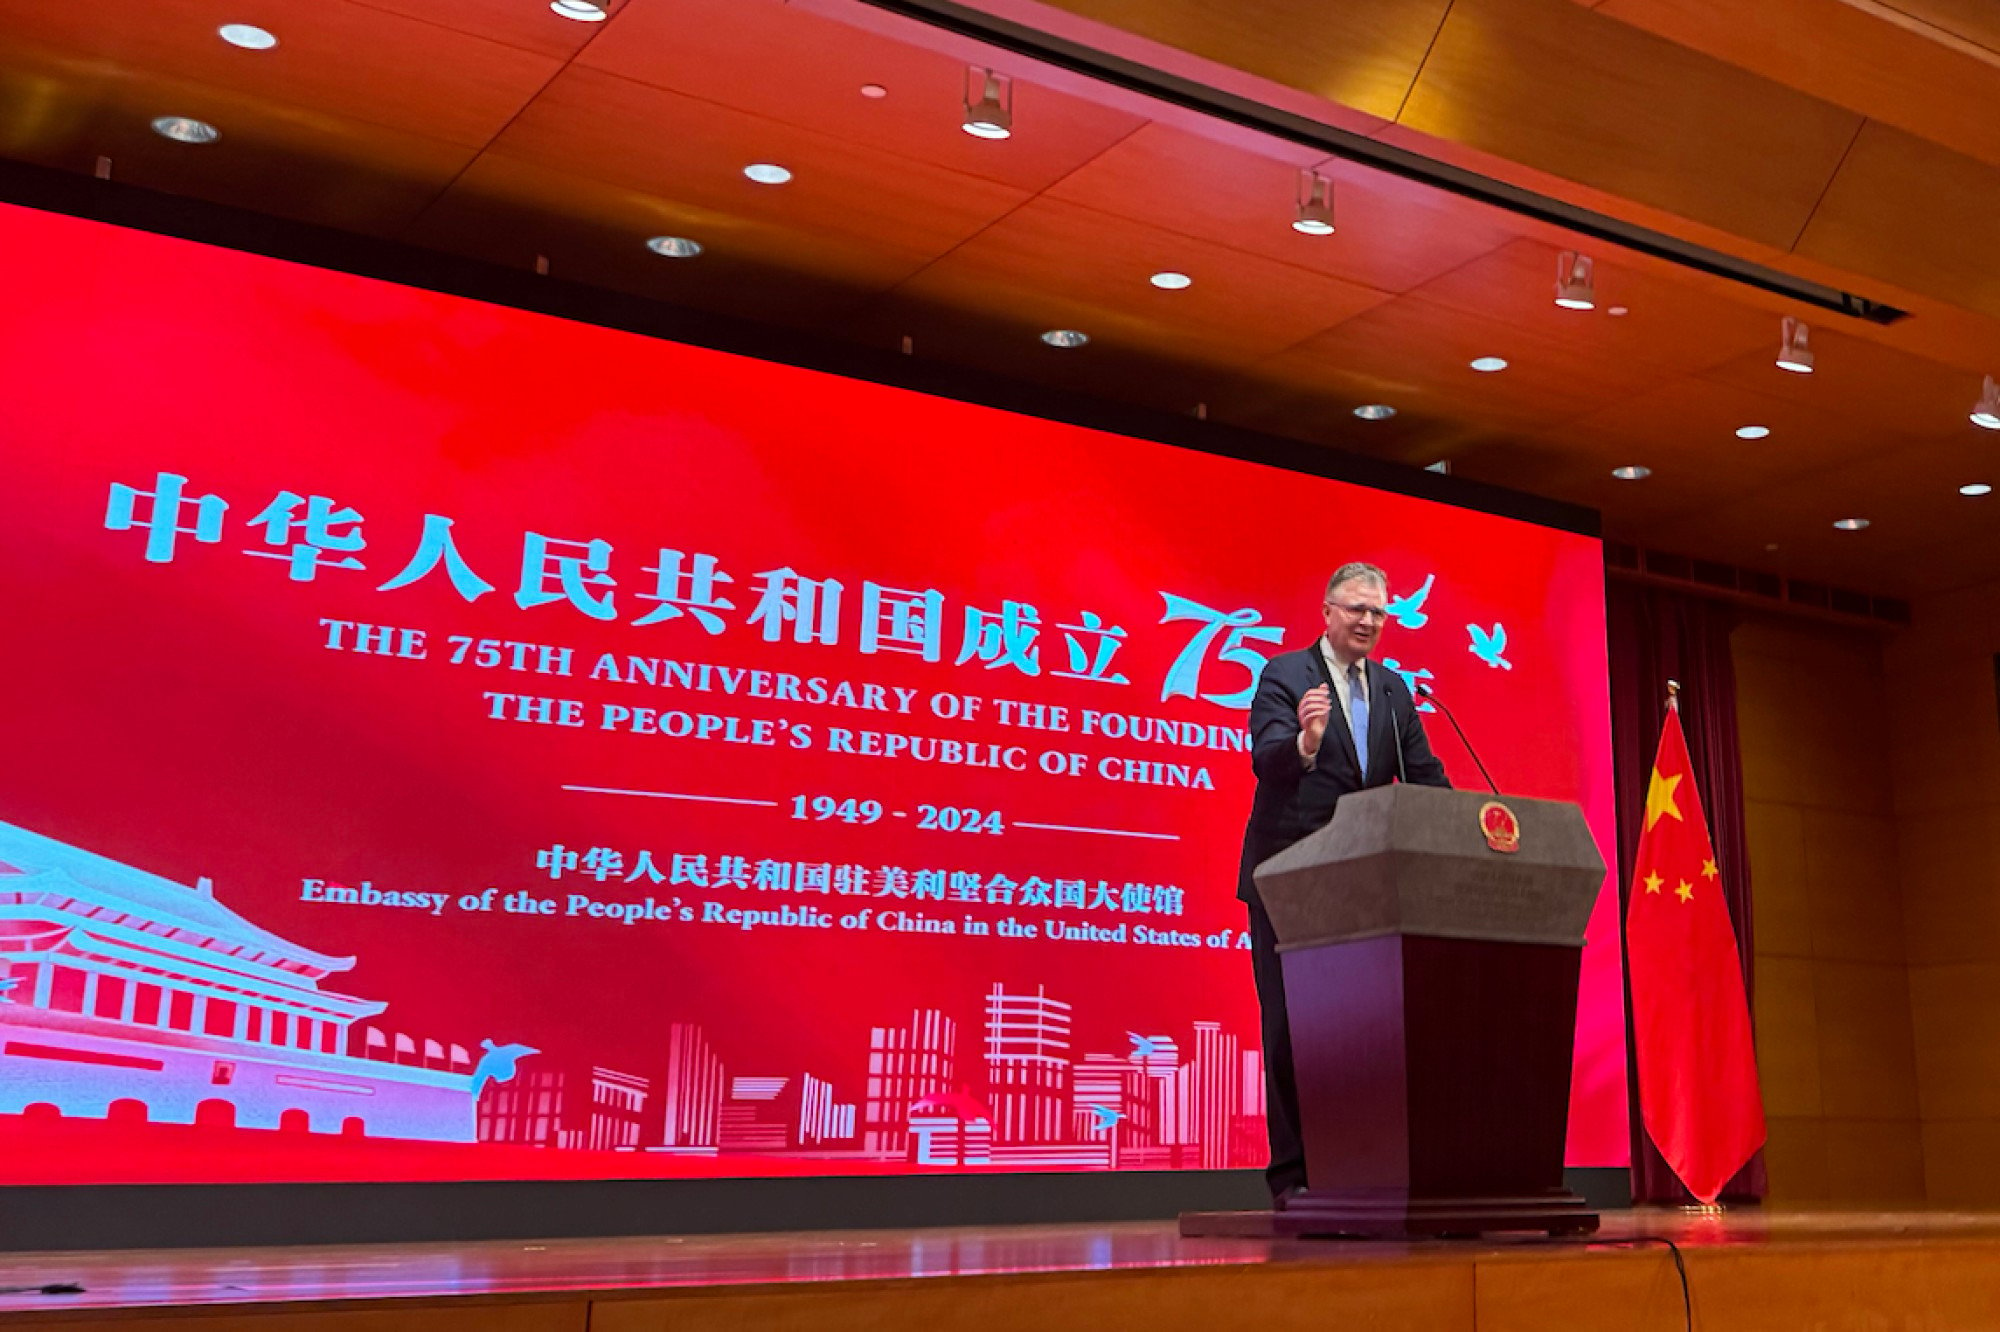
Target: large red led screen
[{"x": 440, "y": 741}]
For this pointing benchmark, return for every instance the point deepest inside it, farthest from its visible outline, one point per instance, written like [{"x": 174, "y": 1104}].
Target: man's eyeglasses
[{"x": 1357, "y": 610}]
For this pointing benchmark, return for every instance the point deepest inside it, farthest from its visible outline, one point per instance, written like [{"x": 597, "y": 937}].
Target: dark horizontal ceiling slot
[
  {"x": 1763, "y": 584},
  {"x": 952, "y": 17},
  {"x": 1748, "y": 586}
]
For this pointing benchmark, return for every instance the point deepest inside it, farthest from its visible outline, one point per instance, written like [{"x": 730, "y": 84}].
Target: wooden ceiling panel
[
  {"x": 1008, "y": 344},
  {"x": 1914, "y": 214},
  {"x": 1673, "y": 324},
  {"x": 528, "y": 24},
  {"x": 1863, "y": 385},
  {"x": 1553, "y": 86},
  {"x": 646, "y": 139},
  {"x": 1920, "y": 537},
  {"x": 1051, "y": 264},
  {"x": 273, "y": 160},
  {"x": 1976, "y": 21},
  {"x": 807, "y": 71},
  {"x": 1685, "y": 432},
  {"x": 506, "y": 211},
  {"x": 333, "y": 58},
  {"x": 1419, "y": 434},
  {"x": 1410, "y": 352},
  {"x": 1393, "y": 234},
  {"x": 1362, "y": 54},
  {"x": 1842, "y": 53}
]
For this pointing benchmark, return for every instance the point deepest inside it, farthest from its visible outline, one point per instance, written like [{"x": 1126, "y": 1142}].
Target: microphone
[
  {"x": 1431, "y": 694},
  {"x": 1396, "y": 729}
]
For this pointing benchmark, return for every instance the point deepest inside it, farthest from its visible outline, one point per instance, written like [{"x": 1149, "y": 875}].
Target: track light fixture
[
  {"x": 1986, "y": 412},
  {"x": 989, "y": 104},
  {"x": 1575, "y": 289},
  {"x": 1794, "y": 348},
  {"x": 1315, "y": 215}
]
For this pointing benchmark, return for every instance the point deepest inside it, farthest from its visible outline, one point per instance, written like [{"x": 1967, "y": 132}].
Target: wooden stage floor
[{"x": 1823, "y": 1271}]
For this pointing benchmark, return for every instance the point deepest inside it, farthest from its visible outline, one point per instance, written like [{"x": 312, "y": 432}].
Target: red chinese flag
[{"x": 1691, "y": 1023}]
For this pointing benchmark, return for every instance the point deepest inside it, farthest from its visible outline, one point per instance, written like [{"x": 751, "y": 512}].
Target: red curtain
[{"x": 1659, "y": 634}]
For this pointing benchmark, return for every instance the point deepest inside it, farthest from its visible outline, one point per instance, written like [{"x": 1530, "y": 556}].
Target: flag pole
[{"x": 1673, "y": 696}]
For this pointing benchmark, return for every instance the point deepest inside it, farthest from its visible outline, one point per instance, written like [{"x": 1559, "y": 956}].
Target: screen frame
[{"x": 177, "y": 1215}]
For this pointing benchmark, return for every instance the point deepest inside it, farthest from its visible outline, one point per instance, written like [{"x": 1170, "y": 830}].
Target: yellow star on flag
[
  {"x": 1685, "y": 892},
  {"x": 1660, "y": 798},
  {"x": 1653, "y": 882},
  {"x": 1708, "y": 869}
]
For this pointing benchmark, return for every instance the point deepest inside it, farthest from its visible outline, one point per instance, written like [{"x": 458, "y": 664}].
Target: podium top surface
[{"x": 1429, "y": 861}]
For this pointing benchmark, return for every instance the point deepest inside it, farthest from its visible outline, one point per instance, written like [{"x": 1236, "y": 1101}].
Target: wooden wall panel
[
  {"x": 1420, "y": 1296},
  {"x": 1946, "y": 738},
  {"x": 1867, "y": 1059},
  {"x": 1872, "y": 1162},
  {"x": 1534, "y": 1297},
  {"x": 1795, "y": 1160},
  {"x": 1961, "y": 1162},
  {"x": 1362, "y": 54},
  {"x": 1787, "y": 1036},
  {"x": 1556, "y": 88},
  {"x": 1956, "y": 1011},
  {"x": 1951, "y": 884},
  {"x": 1846, "y": 53},
  {"x": 1851, "y": 869},
  {"x": 1836, "y": 1051},
  {"x": 1911, "y": 212},
  {"x": 1781, "y": 902}
]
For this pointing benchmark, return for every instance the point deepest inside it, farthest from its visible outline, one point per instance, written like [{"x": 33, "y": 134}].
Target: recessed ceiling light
[
  {"x": 583, "y": 11},
  {"x": 1794, "y": 348},
  {"x": 1315, "y": 210},
  {"x": 1065, "y": 337},
  {"x": 1851, "y": 524},
  {"x": 247, "y": 35},
  {"x": 874, "y": 92},
  {"x": 1770, "y": 547},
  {"x": 1617, "y": 311},
  {"x": 1631, "y": 473},
  {"x": 186, "y": 129},
  {"x": 1375, "y": 411},
  {"x": 1487, "y": 365},
  {"x": 674, "y": 247},
  {"x": 989, "y": 105},
  {"x": 1171, "y": 281},
  {"x": 1986, "y": 412},
  {"x": 1752, "y": 432},
  {"x": 1975, "y": 489},
  {"x": 767, "y": 173}
]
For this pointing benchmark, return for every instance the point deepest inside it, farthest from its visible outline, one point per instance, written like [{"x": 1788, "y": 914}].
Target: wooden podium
[{"x": 1431, "y": 941}]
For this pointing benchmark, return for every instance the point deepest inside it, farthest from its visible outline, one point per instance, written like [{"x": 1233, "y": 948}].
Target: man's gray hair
[{"x": 1356, "y": 571}]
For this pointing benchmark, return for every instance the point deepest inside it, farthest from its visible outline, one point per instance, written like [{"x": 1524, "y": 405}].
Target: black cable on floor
[
  {"x": 1590, "y": 1242},
  {"x": 54, "y": 1288}
]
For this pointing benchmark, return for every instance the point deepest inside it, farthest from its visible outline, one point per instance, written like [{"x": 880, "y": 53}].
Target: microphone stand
[{"x": 1430, "y": 694}]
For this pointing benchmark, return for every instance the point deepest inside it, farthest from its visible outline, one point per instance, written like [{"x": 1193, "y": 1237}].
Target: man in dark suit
[{"x": 1325, "y": 721}]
